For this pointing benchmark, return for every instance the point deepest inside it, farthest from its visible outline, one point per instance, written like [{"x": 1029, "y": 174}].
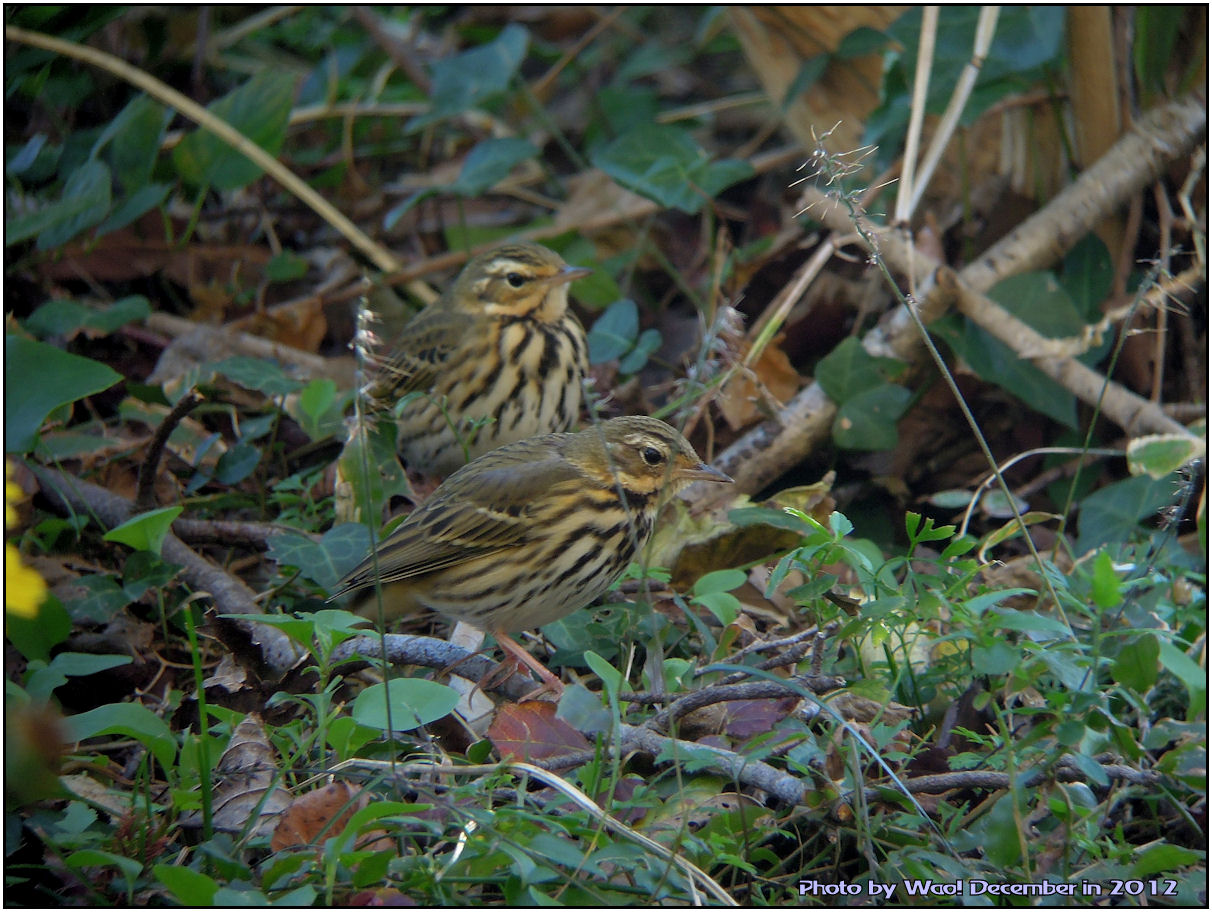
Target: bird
[
  {"x": 532, "y": 530},
  {"x": 498, "y": 358}
]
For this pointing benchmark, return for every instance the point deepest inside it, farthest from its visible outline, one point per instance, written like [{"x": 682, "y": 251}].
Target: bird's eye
[
  {"x": 652, "y": 456},
  {"x": 515, "y": 279}
]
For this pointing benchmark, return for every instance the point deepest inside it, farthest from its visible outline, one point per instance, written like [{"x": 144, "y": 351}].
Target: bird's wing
[
  {"x": 417, "y": 354},
  {"x": 479, "y": 513}
]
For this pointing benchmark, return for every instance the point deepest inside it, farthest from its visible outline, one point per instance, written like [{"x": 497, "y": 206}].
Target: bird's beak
[
  {"x": 568, "y": 274},
  {"x": 704, "y": 472}
]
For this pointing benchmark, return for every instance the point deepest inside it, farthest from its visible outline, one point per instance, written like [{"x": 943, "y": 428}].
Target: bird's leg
[{"x": 551, "y": 684}]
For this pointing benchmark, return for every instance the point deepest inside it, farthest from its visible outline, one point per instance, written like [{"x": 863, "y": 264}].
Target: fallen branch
[
  {"x": 1160, "y": 137},
  {"x": 429, "y": 652},
  {"x": 230, "y": 595},
  {"x": 991, "y": 781}
]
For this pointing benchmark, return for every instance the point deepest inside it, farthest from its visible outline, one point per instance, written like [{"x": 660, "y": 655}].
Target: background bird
[
  {"x": 499, "y": 356},
  {"x": 534, "y": 530}
]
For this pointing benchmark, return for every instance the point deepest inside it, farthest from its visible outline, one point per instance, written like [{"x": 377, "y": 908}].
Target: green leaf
[
  {"x": 65, "y": 318},
  {"x": 237, "y": 463},
  {"x": 134, "y": 138},
  {"x": 143, "y": 200},
  {"x": 1027, "y": 40},
  {"x": 996, "y": 362},
  {"x": 146, "y": 532},
  {"x": 1086, "y": 275},
  {"x": 96, "y": 599},
  {"x": 316, "y": 407},
  {"x": 666, "y": 165},
  {"x": 339, "y": 550},
  {"x": 374, "y": 450},
  {"x": 286, "y": 267},
  {"x": 1136, "y": 666},
  {"x": 43, "y": 681},
  {"x": 1158, "y": 455},
  {"x": 265, "y": 377},
  {"x": 849, "y": 370},
  {"x": 996, "y": 658},
  {"x": 862, "y": 41},
  {"x": 188, "y": 887},
  {"x": 614, "y": 332},
  {"x": 1193, "y": 676},
  {"x": 84, "y": 203},
  {"x": 470, "y": 79},
  {"x": 34, "y": 637},
  {"x": 130, "y": 719},
  {"x": 583, "y": 710},
  {"x": 1113, "y": 513},
  {"x": 648, "y": 342},
  {"x": 723, "y": 605},
  {"x": 260, "y": 110},
  {"x": 1105, "y": 586},
  {"x": 1163, "y": 858},
  {"x": 23, "y": 159},
  {"x": 95, "y": 858},
  {"x": 868, "y": 420},
  {"x": 1030, "y": 622},
  {"x": 611, "y": 678},
  {"x": 1156, "y": 33},
  {"x": 489, "y": 163},
  {"x": 810, "y": 72},
  {"x": 62, "y": 378},
  {"x": 414, "y": 702},
  {"x": 720, "y": 581}
]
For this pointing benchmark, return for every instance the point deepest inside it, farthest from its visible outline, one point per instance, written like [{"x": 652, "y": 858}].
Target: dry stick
[
  {"x": 230, "y": 595},
  {"x": 787, "y": 789},
  {"x": 244, "y": 343},
  {"x": 985, "y": 26},
  {"x": 428, "y": 652},
  {"x": 145, "y": 496},
  {"x": 917, "y": 112},
  {"x": 726, "y": 693},
  {"x": 937, "y": 784},
  {"x": 1163, "y": 135},
  {"x": 404, "y": 649}
]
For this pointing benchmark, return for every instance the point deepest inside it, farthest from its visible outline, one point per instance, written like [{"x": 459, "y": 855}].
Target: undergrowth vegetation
[{"x": 943, "y": 641}]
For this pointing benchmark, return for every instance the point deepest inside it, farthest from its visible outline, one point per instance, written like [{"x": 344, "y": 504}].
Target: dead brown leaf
[
  {"x": 531, "y": 731},
  {"x": 750, "y": 395},
  {"x": 247, "y": 775},
  {"x": 323, "y": 813}
]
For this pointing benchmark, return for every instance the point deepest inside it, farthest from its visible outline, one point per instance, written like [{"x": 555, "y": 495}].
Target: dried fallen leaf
[
  {"x": 247, "y": 776},
  {"x": 323, "y": 813},
  {"x": 770, "y": 381},
  {"x": 531, "y": 731}
]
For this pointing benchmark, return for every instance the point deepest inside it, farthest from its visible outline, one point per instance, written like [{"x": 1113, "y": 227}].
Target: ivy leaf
[
  {"x": 147, "y": 531},
  {"x": 471, "y": 78},
  {"x": 61, "y": 378},
  {"x": 324, "y": 562},
  {"x": 666, "y": 165},
  {"x": 259, "y": 110}
]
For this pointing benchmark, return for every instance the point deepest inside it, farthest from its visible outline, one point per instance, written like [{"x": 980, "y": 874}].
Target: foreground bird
[
  {"x": 534, "y": 530},
  {"x": 499, "y": 356}
]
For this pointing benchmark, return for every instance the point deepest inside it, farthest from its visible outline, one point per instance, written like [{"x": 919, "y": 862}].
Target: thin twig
[{"x": 145, "y": 493}]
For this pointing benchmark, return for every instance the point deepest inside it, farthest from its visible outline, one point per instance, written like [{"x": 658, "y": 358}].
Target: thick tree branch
[
  {"x": 229, "y": 594},
  {"x": 1161, "y": 137}
]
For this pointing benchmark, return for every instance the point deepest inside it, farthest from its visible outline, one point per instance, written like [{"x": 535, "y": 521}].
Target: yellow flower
[{"x": 24, "y": 589}]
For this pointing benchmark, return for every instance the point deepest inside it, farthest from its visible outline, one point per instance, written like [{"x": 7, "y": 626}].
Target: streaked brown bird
[
  {"x": 534, "y": 530},
  {"x": 499, "y": 357}
]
